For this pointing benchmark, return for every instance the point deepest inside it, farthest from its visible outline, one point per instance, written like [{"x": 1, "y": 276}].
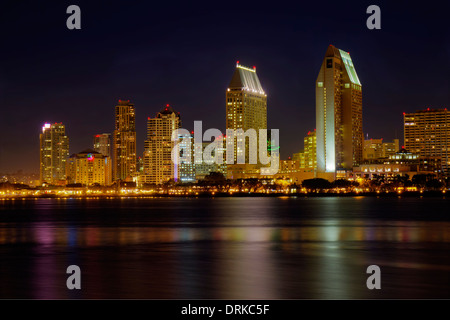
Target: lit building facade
[
  {"x": 427, "y": 133},
  {"x": 125, "y": 142},
  {"x": 338, "y": 113},
  {"x": 102, "y": 144},
  {"x": 291, "y": 171},
  {"x": 246, "y": 105},
  {"x": 204, "y": 168},
  {"x": 54, "y": 151},
  {"x": 88, "y": 168},
  {"x": 310, "y": 150},
  {"x": 401, "y": 163},
  {"x": 300, "y": 157},
  {"x": 377, "y": 149},
  {"x": 158, "y": 165},
  {"x": 307, "y": 158},
  {"x": 186, "y": 172}
]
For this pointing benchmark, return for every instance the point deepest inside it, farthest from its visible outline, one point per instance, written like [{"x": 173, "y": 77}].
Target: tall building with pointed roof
[
  {"x": 339, "y": 134},
  {"x": 246, "y": 103}
]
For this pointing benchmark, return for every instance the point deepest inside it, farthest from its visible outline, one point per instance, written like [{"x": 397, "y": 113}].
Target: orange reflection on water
[{"x": 44, "y": 233}]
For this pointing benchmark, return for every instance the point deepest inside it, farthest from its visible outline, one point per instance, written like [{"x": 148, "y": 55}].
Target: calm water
[{"x": 226, "y": 248}]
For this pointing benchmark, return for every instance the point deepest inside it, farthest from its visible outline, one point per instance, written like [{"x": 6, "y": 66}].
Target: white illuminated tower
[
  {"x": 339, "y": 135},
  {"x": 246, "y": 103}
]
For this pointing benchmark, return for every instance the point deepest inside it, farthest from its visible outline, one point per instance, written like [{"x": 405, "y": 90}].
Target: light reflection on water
[
  {"x": 233, "y": 248},
  {"x": 46, "y": 234}
]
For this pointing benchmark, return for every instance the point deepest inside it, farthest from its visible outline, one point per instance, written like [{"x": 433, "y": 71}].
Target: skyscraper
[
  {"x": 158, "y": 165},
  {"x": 102, "y": 144},
  {"x": 338, "y": 113},
  {"x": 246, "y": 104},
  {"x": 310, "y": 145},
  {"x": 427, "y": 133},
  {"x": 54, "y": 151},
  {"x": 186, "y": 168},
  {"x": 307, "y": 158},
  {"x": 124, "y": 142}
]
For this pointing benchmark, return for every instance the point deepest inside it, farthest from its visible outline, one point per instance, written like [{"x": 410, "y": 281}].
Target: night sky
[{"x": 185, "y": 54}]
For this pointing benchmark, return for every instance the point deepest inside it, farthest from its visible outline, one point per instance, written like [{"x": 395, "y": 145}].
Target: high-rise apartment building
[
  {"x": 125, "y": 142},
  {"x": 307, "y": 158},
  {"x": 208, "y": 164},
  {"x": 54, "y": 151},
  {"x": 158, "y": 165},
  {"x": 427, "y": 133},
  {"x": 102, "y": 144},
  {"x": 300, "y": 157},
  {"x": 338, "y": 113},
  {"x": 186, "y": 167},
  {"x": 246, "y": 105},
  {"x": 310, "y": 150},
  {"x": 89, "y": 168}
]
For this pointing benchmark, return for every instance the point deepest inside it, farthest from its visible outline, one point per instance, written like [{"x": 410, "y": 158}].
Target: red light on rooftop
[
  {"x": 148, "y": 118},
  {"x": 309, "y": 132},
  {"x": 192, "y": 132},
  {"x": 404, "y": 113},
  {"x": 428, "y": 109},
  {"x": 254, "y": 67},
  {"x": 167, "y": 105},
  {"x": 97, "y": 136},
  {"x": 237, "y": 62}
]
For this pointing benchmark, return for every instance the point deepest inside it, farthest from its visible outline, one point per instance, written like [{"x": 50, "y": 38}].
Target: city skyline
[
  {"x": 181, "y": 152},
  {"x": 251, "y": 122},
  {"x": 77, "y": 87}
]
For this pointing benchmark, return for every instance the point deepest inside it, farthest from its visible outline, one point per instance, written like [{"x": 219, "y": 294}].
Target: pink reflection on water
[{"x": 44, "y": 233}]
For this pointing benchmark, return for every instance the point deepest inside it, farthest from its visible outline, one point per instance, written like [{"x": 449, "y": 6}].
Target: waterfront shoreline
[{"x": 406, "y": 194}]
